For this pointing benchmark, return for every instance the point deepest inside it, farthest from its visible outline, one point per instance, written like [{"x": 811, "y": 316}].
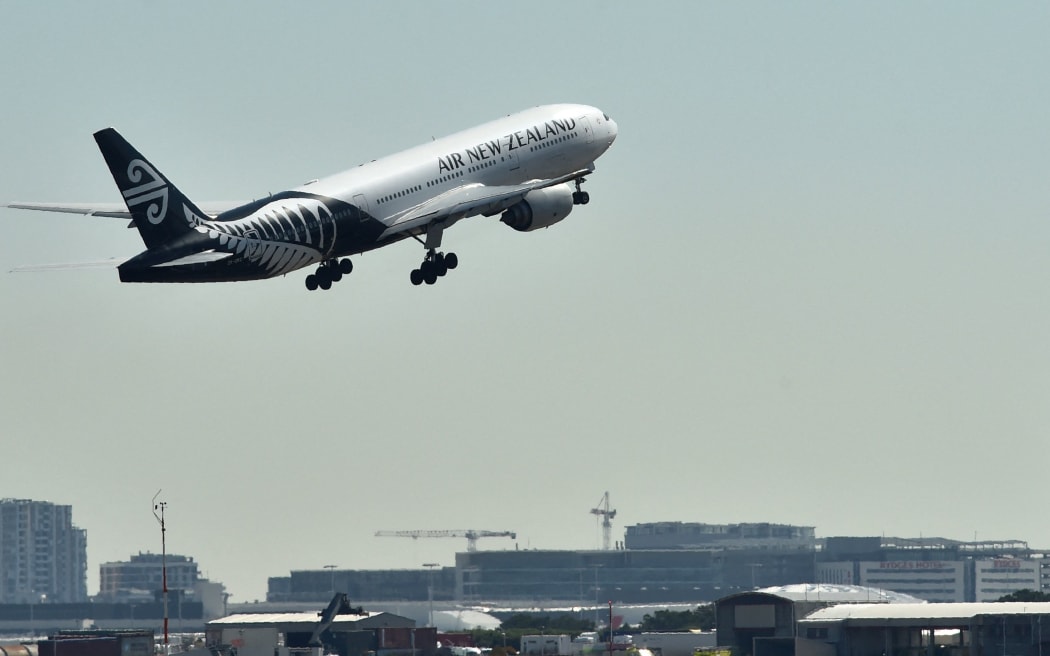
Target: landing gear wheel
[
  {"x": 434, "y": 266},
  {"x": 328, "y": 272},
  {"x": 580, "y": 197}
]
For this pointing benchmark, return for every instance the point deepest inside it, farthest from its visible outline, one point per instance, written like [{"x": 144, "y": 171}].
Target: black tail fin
[{"x": 160, "y": 211}]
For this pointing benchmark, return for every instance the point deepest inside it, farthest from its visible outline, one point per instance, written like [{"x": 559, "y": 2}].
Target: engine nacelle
[{"x": 540, "y": 208}]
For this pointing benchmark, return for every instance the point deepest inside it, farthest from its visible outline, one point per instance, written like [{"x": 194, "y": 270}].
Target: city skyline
[
  {"x": 184, "y": 569},
  {"x": 810, "y": 286}
]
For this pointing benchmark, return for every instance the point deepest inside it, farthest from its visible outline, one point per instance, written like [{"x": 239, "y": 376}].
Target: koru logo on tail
[{"x": 155, "y": 189}]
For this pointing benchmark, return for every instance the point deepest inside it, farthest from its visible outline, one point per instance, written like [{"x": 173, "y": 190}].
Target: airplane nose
[{"x": 613, "y": 130}]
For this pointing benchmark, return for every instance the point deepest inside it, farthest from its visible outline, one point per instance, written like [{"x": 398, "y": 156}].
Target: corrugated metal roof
[
  {"x": 285, "y": 618},
  {"x": 930, "y": 611},
  {"x": 841, "y": 593}
]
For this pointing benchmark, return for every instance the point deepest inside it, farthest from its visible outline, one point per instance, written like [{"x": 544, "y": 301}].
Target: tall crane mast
[
  {"x": 606, "y": 514},
  {"x": 470, "y": 534}
]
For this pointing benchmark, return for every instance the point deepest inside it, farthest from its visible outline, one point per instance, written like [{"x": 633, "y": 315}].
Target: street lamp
[
  {"x": 753, "y": 566},
  {"x": 430, "y": 591},
  {"x": 331, "y": 568}
]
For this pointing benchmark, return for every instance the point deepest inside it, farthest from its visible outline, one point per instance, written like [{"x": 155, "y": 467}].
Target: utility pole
[{"x": 163, "y": 558}]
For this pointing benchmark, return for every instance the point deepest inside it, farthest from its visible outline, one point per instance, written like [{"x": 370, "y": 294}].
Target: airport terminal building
[{"x": 680, "y": 562}]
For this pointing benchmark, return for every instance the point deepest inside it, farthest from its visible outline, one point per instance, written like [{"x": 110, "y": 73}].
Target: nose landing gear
[{"x": 580, "y": 197}]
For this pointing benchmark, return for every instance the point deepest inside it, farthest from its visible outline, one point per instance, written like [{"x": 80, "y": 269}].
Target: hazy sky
[{"x": 811, "y": 286}]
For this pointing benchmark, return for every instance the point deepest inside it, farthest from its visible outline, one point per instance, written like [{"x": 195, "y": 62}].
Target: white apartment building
[{"x": 43, "y": 556}]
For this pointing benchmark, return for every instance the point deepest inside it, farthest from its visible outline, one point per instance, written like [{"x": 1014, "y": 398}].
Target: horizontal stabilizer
[
  {"x": 111, "y": 263},
  {"x": 117, "y": 210}
]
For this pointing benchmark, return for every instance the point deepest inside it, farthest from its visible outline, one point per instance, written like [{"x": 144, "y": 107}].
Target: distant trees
[
  {"x": 1025, "y": 595},
  {"x": 519, "y": 624},
  {"x": 536, "y": 623},
  {"x": 702, "y": 618}
]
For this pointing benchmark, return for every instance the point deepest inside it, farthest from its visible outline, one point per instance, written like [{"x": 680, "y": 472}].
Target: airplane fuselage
[{"x": 379, "y": 202}]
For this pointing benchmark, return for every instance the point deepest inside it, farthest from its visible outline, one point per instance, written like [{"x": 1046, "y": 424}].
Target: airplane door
[
  {"x": 362, "y": 204},
  {"x": 515, "y": 164},
  {"x": 588, "y": 131}
]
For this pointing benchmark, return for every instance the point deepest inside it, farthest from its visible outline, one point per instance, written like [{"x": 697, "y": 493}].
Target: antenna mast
[{"x": 163, "y": 557}]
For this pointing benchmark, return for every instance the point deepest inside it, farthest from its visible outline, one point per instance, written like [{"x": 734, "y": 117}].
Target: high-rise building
[{"x": 43, "y": 556}]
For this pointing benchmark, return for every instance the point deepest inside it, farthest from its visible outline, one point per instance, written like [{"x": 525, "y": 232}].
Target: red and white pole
[{"x": 163, "y": 558}]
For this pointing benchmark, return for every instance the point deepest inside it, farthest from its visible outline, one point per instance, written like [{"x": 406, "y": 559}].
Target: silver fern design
[{"x": 281, "y": 236}]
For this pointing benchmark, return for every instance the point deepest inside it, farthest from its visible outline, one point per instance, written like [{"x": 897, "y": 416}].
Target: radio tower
[{"x": 606, "y": 514}]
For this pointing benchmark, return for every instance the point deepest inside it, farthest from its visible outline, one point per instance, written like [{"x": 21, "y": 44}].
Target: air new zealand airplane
[{"x": 527, "y": 168}]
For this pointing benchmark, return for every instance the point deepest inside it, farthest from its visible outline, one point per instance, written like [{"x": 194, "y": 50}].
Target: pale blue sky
[{"x": 811, "y": 286}]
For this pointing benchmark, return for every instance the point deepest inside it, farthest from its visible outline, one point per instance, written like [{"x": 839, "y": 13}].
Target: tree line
[{"x": 507, "y": 638}]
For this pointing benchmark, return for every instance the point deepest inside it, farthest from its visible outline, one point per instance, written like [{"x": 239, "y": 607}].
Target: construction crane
[
  {"x": 470, "y": 534},
  {"x": 606, "y": 514}
]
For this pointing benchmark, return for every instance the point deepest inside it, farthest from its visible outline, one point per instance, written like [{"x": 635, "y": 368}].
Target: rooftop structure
[{"x": 695, "y": 535}]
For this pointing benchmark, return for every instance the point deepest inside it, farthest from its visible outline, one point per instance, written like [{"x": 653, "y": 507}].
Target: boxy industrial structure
[{"x": 286, "y": 634}]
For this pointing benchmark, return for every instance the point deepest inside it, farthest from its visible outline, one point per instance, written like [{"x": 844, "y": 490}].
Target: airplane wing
[
  {"x": 471, "y": 200},
  {"x": 112, "y": 263},
  {"x": 114, "y": 210}
]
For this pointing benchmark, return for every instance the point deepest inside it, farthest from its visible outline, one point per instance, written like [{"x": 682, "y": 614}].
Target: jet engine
[{"x": 540, "y": 208}]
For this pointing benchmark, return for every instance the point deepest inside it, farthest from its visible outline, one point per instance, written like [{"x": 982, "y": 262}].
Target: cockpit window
[{"x": 606, "y": 116}]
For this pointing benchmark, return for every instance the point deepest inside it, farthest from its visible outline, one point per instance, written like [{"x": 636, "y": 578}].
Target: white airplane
[{"x": 527, "y": 167}]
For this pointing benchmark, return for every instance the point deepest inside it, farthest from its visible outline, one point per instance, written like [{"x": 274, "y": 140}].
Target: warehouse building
[
  {"x": 349, "y": 634},
  {"x": 822, "y": 620},
  {"x": 968, "y": 629},
  {"x": 766, "y": 619}
]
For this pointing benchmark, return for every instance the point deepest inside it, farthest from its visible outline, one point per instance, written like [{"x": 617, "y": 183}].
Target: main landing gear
[
  {"x": 328, "y": 272},
  {"x": 580, "y": 197},
  {"x": 433, "y": 267}
]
